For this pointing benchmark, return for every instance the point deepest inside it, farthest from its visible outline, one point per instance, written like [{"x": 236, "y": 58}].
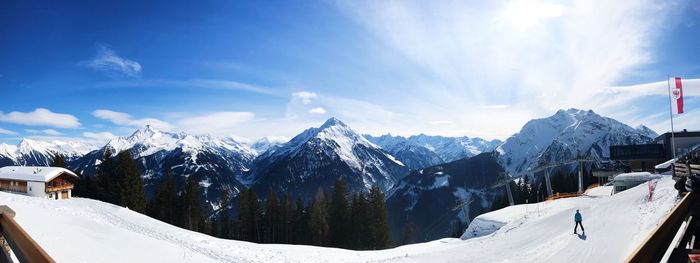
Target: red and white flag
[{"x": 677, "y": 97}]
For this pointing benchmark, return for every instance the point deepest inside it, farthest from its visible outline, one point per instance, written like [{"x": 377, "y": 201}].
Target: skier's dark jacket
[{"x": 577, "y": 217}]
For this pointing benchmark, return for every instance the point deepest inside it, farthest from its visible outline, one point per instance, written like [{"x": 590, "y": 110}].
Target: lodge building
[{"x": 47, "y": 182}]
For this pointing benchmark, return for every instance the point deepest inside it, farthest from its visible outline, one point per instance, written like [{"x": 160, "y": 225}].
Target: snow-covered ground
[{"x": 84, "y": 230}]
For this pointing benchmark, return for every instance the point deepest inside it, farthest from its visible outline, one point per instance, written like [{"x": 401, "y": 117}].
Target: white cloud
[
  {"x": 304, "y": 96},
  {"x": 223, "y": 123},
  {"x": 107, "y": 60},
  {"x": 458, "y": 60},
  {"x": 526, "y": 14},
  {"x": 99, "y": 136},
  {"x": 125, "y": 119},
  {"x": 41, "y": 117},
  {"x": 317, "y": 110},
  {"x": 7, "y": 132}
]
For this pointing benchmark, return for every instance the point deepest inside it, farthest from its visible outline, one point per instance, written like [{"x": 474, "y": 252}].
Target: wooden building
[{"x": 39, "y": 181}]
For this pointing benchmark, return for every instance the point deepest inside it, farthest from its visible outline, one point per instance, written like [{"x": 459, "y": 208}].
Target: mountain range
[
  {"x": 420, "y": 151},
  {"x": 422, "y": 176},
  {"x": 34, "y": 152}
]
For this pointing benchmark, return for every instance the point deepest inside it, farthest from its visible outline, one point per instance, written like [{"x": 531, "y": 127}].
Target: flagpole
[{"x": 670, "y": 111}]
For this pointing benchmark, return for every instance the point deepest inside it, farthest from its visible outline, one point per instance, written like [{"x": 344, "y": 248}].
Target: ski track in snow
[{"x": 84, "y": 230}]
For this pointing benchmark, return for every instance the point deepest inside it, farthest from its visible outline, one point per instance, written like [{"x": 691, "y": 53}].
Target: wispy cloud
[
  {"x": 317, "y": 110},
  {"x": 193, "y": 83},
  {"x": 125, "y": 119},
  {"x": 304, "y": 96},
  {"x": 497, "y": 106},
  {"x": 439, "y": 122},
  {"x": 108, "y": 61},
  {"x": 216, "y": 123},
  {"x": 50, "y": 132},
  {"x": 220, "y": 123},
  {"x": 99, "y": 136},
  {"x": 7, "y": 132},
  {"x": 41, "y": 117}
]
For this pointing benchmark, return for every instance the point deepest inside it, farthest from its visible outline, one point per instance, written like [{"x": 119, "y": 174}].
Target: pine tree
[
  {"x": 107, "y": 183},
  {"x": 271, "y": 217},
  {"x": 224, "y": 220},
  {"x": 378, "y": 219},
  {"x": 287, "y": 219},
  {"x": 301, "y": 226},
  {"x": 86, "y": 187},
  {"x": 192, "y": 206},
  {"x": 244, "y": 216},
  {"x": 58, "y": 161},
  {"x": 131, "y": 190},
  {"x": 318, "y": 210},
  {"x": 339, "y": 216},
  {"x": 249, "y": 216},
  {"x": 164, "y": 204},
  {"x": 360, "y": 235}
]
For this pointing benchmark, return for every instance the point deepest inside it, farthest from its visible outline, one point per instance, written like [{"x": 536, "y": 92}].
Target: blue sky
[{"x": 93, "y": 70}]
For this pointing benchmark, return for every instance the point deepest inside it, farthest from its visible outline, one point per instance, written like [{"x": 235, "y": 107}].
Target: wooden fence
[{"x": 21, "y": 244}]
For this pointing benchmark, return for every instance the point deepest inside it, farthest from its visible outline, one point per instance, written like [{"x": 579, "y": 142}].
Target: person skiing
[{"x": 578, "y": 219}]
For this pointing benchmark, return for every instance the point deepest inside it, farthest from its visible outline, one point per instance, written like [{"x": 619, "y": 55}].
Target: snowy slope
[
  {"x": 615, "y": 225},
  {"x": 420, "y": 151},
  {"x": 565, "y": 136},
  {"x": 84, "y": 230}
]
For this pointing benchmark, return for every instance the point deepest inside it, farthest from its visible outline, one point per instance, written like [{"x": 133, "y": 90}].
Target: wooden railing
[
  {"x": 556, "y": 196},
  {"x": 653, "y": 248},
  {"x": 21, "y": 244},
  {"x": 684, "y": 169}
]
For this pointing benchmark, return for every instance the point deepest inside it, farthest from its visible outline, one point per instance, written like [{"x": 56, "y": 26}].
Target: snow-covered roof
[
  {"x": 33, "y": 173},
  {"x": 636, "y": 176},
  {"x": 665, "y": 164}
]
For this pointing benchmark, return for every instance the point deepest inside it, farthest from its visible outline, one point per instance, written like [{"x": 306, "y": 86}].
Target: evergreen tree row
[
  {"x": 117, "y": 181},
  {"x": 180, "y": 204},
  {"x": 336, "y": 219}
]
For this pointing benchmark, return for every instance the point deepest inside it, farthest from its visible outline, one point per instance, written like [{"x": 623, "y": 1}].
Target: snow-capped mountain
[
  {"x": 646, "y": 131},
  {"x": 428, "y": 200},
  {"x": 318, "y": 156},
  {"x": 266, "y": 143},
  {"x": 564, "y": 136},
  {"x": 216, "y": 163},
  {"x": 420, "y": 151},
  {"x": 41, "y": 153}
]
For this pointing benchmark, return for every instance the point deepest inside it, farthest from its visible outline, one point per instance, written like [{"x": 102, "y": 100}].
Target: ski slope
[{"x": 84, "y": 230}]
